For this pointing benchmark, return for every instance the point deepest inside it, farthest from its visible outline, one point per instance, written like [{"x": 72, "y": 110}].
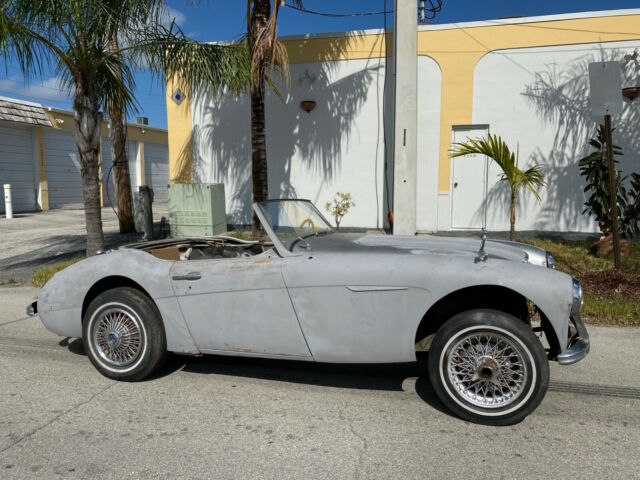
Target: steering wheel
[{"x": 309, "y": 222}]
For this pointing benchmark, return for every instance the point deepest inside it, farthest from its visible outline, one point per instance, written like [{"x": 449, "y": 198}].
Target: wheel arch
[
  {"x": 496, "y": 297},
  {"x": 108, "y": 283}
]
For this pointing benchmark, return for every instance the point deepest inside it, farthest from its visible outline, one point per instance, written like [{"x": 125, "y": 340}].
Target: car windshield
[{"x": 292, "y": 221}]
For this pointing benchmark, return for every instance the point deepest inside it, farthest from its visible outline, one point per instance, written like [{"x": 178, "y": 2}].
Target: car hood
[{"x": 429, "y": 245}]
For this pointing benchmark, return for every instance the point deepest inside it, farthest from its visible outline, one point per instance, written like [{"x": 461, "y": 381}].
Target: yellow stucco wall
[
  {"x": 457, "y": 52},
  {"x": 179, "y": 124}
]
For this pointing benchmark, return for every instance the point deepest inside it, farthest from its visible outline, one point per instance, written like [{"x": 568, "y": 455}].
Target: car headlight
[
  {"x": 551, "y": 262},
  {"x": 577, "y": 297}
]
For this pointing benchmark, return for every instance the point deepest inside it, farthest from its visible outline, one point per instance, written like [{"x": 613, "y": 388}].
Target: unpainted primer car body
[{"x": 345, "y": 298}]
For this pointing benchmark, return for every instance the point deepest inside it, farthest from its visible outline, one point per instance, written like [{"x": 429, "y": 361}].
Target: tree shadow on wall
[
  {"x": 316, "y": 140},
  {"x": 560, "y": 97}
]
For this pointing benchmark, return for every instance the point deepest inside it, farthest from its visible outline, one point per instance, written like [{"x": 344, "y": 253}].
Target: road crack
[
  {"x": 362, "y": 438},
  {"x": 57, "y": 417},
  {"x": 14, "y": 321}
]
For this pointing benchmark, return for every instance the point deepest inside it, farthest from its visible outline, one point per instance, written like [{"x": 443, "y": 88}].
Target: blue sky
[{"x": 225, "y": 20}]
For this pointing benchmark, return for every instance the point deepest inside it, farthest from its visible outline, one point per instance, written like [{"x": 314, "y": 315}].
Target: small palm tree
[{"x": 518, "y": 180}]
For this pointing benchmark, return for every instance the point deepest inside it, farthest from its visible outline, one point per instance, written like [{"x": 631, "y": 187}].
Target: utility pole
[{"x": 405, "y": 145}]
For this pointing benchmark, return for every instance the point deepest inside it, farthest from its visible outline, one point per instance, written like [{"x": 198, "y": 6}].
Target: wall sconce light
[
  {"x": 631, "y": 92},
  {"x": 308, "y": 105}
]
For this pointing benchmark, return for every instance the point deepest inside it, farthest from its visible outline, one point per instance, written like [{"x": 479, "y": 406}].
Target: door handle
[
  {"x": 455, "y": 185},
  {"x": 191, "y": 276}
]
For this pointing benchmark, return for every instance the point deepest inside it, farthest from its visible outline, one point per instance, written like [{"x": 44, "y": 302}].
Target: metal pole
[
  {"x": 146, "y": 200},
  {"x": 613, "y": 191}
]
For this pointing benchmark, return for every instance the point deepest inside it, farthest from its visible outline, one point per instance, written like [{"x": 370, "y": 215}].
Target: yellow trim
[
  {"x": 458, "y": 52},
  {"x": 100, "y": 174},
  {"x": 140, "y": 173},
  {"x": 179, "y": 123},
  {"x": 331, "y": 48},
  {"x": 135, "y": 132},
  {"x": 43, "y": 187}
]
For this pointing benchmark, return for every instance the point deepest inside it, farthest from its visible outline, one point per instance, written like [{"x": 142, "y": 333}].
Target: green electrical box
[{"x": 197, "y": 210}]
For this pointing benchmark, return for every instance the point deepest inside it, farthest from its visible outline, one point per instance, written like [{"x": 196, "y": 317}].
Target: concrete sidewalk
[{"x": 32, "y": 240}]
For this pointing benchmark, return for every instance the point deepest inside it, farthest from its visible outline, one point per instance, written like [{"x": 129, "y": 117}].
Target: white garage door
[
  {"x": 156, "y": 170},
  {"x": 17, "y": 166},
  {"x": 132, "y": 150},
  {"x": 63, "y": 170}
]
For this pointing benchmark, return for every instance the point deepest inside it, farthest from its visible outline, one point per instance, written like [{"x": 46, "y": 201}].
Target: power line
[{"x": 328, "y": 14}]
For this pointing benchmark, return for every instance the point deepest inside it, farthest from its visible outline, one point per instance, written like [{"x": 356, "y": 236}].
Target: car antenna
[{"x": 482, "y": 253}]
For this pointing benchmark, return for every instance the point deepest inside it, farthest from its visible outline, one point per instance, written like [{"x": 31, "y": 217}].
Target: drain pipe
[{"x": 8, "y": 206}]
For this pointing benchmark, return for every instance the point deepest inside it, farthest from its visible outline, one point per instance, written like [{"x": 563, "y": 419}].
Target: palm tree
[
  {"x": 518, "y": 180},
  {"x": 77, "y": 36},
  {"x": 268, "y": 56}
]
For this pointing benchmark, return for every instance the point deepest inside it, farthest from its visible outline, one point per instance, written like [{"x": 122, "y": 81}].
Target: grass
[
  {"x": 609, "y": 298},
  {"x": 611, "y": 312},
  {"x": 42, "y": 275}
]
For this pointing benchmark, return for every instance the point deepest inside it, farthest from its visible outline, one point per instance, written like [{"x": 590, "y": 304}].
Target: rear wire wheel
[{"x": 488, "y": 367}]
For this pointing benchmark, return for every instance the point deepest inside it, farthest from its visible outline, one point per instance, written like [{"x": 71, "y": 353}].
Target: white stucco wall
[
  {"x": 336, "y": 147},
  {"x": 339, "y": 146},
  {"x": 537, "y": 100},
  {"x": 429, "y": 94}
]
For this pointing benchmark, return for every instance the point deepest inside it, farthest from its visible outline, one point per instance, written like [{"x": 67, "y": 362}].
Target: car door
[
  {"x": 354, "y": 311},
  {"x": 239, "y": 305}
]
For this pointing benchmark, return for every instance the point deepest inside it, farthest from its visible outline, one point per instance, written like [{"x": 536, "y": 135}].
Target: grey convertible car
[{"x": 490, "y": 314}]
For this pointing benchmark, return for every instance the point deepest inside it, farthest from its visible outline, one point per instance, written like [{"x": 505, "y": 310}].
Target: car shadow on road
[
  {"x": 74, "y": 345},
  {"x": 387, "y": 377}
]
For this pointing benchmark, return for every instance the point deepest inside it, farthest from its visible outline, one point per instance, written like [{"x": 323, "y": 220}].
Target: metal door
[
  {"x": 17, "y": 166},
  {"x": 468, "y": 182}
]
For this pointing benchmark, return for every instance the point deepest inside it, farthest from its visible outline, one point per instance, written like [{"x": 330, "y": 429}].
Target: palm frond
[{"x": 169, "y": 53}]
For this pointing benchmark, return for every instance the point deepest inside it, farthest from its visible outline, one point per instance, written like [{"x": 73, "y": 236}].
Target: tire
[
  {"x": 488, "y": 367},
  {"x": 123, "y": 335}
]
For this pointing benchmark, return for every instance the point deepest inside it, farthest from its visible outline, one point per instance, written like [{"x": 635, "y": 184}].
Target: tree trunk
[
  {"x": 512, "y": 232},
  {"x": 120, "y": 164},
  {"x": 259, "y": 174},
  {"x": 87, "y": 119}
]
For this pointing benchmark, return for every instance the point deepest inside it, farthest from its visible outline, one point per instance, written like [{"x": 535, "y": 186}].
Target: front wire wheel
[
  {"x": 123, "y": 334},
  {"x": 488, "y": 367}
]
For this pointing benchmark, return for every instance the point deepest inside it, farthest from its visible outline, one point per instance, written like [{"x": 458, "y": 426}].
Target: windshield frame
[{"x": 282, "y": 250}]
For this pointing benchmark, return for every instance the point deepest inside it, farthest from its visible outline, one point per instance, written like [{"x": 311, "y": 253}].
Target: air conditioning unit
[
  {"x": 142, "y": 120},
  {"x": 197, "y": 210}
]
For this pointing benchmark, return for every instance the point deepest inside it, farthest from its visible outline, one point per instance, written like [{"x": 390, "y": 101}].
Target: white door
[
  {"x": 17, "y": 166},
  {"x": 156, "y": 170},
  {"x": 468, "y": 182}
]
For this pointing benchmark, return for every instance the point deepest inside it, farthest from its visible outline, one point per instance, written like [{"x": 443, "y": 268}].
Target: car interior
[{"x": 207, "y": 249}]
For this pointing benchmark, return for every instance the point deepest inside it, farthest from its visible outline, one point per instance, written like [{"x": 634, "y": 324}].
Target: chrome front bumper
[{"x": 578, "y": 346}]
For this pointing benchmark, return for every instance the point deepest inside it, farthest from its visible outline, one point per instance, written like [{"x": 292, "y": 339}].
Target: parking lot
[
  {"x": 33, "y": 240},
  {"x": 218, "y": 417}
]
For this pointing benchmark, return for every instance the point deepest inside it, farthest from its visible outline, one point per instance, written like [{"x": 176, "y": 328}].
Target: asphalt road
[{"x": 227, "y": 418}]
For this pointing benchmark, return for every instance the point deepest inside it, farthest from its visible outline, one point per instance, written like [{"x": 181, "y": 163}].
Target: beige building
[{"x": 38, "y": 158}]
